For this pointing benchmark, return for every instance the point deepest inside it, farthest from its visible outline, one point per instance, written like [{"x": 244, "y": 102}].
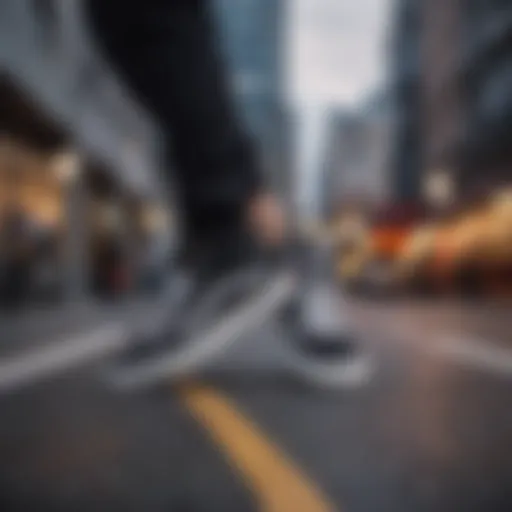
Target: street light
[
  {"x": 66, "y": 166},
  {"x": 439, "y": 188},
  {"x": 155, "y": 219},
  {"x": 502, "y": 202}
]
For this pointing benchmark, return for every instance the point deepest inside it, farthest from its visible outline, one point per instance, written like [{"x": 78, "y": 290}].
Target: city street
[
  {"x": 179, "y": 172},
  {"x": 430, "y": 431}
]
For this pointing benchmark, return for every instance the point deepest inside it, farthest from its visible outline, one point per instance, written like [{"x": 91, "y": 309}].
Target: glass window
[
  {"x": 495, "y": 98},
  {"x": 46, "y": 18}
]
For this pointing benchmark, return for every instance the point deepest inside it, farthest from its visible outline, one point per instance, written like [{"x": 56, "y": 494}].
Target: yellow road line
[{"x": 279, "y": 486}]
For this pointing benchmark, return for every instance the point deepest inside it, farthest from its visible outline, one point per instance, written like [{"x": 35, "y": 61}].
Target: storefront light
[
  {"x": 419, "y": 244},
  {"x": 502, "y": 203},
  {"x": 439, "y": 188},
  {"x": 156, "y": 218},
  {"x": 352, "y": 226},
  {"x": 66, "y": 166}
]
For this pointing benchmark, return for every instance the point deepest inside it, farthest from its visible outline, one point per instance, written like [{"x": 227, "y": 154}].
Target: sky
[
  {"x": 336, "y": 49},
  {"x": 336, "y": 57}
]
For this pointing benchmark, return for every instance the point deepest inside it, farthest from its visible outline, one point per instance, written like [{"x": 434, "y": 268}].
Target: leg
[{"x": 166, "y": 51}]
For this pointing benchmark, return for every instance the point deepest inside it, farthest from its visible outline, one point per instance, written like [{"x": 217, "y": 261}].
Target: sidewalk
[{"x": 36, "y": 327}]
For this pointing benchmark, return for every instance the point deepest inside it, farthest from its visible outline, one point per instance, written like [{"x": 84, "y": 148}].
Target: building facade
[
  {"x": 358, "y": 155},
  {"x": 46, "y": 52},
  {"x": 340, "y": 168},
  {"x": 486, "y": 75},
  {"x": 73, "y": 145},
  {"x": 452, "y": 63},
  {"x": 442, "y": 99},
  {"x": 252, "y": 40},
  {"x": 406, "y": 98}
]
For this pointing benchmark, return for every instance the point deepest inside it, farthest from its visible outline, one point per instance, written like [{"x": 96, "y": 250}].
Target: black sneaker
[{"x": 234, "y": 288}]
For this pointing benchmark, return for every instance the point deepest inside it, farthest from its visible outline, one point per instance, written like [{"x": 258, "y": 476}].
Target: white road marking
[
  {"x": 428, "y": 337},
  {"x": 482, "y": 355},
  {"x": 35, "y": 365}
]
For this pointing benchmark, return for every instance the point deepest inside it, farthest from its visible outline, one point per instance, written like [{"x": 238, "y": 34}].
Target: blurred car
[
  {"x": 366, "y": 258},
  {"x": 410, "y": 267},
  {"x": 470, "y": 254}
]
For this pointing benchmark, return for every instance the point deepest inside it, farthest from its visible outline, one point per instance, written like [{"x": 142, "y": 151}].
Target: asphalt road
[{"x": 431, "y": 431}]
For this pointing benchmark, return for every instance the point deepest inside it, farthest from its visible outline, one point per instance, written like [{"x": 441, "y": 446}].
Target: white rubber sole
[{"x": 353, "y": 372}]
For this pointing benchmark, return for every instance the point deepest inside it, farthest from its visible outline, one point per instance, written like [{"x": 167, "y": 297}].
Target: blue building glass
[
  {"x": 251, "y": 32},
  {"x": 487, "y": 77},
  {"x": 407, "y": 150},
  {"x": 251, "y": 37}
]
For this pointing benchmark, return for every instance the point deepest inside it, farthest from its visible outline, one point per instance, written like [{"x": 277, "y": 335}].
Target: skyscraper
[
  {"x": 406, "y": 72},
  {"x": 452, "y": 64},
  {"x": 356, "y": 163},
  {"x": 251, "y": 36},
  {"x": 486, "y": 75}
]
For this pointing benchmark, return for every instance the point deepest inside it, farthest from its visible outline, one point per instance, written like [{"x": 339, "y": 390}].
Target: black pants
[{"x": 167, "y": 53}]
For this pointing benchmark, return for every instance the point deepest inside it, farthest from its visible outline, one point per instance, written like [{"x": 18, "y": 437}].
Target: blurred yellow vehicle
[{"x": 469, "y": 254}]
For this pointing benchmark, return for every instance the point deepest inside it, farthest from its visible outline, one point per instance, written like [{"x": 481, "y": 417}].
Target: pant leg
[{"x": 167, "y": 52}]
